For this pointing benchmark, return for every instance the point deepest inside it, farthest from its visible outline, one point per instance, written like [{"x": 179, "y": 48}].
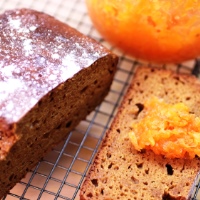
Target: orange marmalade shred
[{"x": 167, "y": 129}]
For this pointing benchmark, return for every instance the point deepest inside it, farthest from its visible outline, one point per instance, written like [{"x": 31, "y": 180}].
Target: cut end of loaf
[{"x": 51, "y": 78}]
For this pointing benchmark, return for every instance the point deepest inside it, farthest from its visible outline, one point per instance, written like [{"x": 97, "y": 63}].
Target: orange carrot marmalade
[{"x": 167, "y": 129}]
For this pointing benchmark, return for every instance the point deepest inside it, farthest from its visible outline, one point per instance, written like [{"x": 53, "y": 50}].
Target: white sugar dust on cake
[
  {"x": 28, "y": 45},
  {"x": 51, "y": 78}
]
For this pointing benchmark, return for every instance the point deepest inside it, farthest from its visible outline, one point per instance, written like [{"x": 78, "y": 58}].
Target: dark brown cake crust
[{"x": 51, "y": 77}]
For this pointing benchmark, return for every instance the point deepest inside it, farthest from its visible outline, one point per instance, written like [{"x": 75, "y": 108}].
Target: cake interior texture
[
  {"x": 121, "y": 172},
  {"x": 51, "y": 78}
]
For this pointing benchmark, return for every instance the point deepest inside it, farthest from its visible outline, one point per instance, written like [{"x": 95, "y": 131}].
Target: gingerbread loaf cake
[
  {"x": 51, "y": 77},
  {"x": 120, "y": 171}
]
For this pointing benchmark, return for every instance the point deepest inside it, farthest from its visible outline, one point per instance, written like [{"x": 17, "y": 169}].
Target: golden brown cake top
[{"x": 37, "y": 53}]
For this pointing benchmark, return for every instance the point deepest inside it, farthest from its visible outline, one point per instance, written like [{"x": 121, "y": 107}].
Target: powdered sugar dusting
[
  {"x": 14, "y": 23},
  {"x": 27, "y": 45},
  {"x": 55, "y": 56},
  {"x": 32, "y": 28},
  {"x": 34, "y": 59}
]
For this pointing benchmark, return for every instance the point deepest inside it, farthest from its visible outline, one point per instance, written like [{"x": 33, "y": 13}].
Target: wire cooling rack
[{"x": 60, "y": 174}]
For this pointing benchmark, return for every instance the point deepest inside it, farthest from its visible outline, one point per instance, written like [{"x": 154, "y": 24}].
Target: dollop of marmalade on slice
[{"x": 167, "y": 129}]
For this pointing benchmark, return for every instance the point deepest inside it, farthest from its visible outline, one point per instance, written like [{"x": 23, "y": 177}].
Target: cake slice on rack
[{"x": 124, "y": 168}]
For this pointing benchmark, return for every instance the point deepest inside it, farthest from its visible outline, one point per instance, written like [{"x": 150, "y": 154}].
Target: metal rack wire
[{"x": 60, "y": 174}]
